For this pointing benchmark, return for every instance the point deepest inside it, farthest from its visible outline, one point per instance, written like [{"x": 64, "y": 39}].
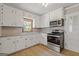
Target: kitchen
[{"x": 23, "y": 27}]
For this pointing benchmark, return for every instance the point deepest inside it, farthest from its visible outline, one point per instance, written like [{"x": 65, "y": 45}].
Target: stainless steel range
[{"x": 56, "y": 40}]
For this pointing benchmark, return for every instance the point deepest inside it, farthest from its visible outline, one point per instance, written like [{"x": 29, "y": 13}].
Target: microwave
[{"x": 57, "y": 23}]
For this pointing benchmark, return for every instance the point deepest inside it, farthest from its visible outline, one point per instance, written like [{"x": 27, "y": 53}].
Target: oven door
[{"x": 53, "y": 39}]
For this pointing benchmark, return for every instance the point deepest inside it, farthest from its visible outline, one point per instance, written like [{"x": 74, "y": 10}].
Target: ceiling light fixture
[{"x": 45, "y": 4}]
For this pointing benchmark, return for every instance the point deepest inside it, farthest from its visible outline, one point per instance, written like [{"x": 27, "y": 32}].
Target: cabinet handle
[
  {"x": 0, "y": 44},
  {"x": 25, "y": 39},
  {"x": 14, "y": 42},
  {"x": 2, "y": 9},
  {"x": 8, "y": 39},
  {"x": 25, "y": 45},
  {"x": 12, "y": 11},
  {"x": 15, "y": 12},
  {"x": 2, "y": 23},
  {"x": 1, "y": 12}
]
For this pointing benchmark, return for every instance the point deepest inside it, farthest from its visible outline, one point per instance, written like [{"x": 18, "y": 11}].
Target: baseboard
[{"x": 71, "y": 51}]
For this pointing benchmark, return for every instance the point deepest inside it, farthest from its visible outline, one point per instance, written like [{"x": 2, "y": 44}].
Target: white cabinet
[
  {"x": 12, "y": 16},
  {"x": 19, "y": 43},
  {"x": 19, "y": 18},
  {"x": 13, "y": 44},
  {"x": 0, "y": 14},
  {"x": 35, "y": 39},
  {"x": 7, "y": 45},
  {"x": 36, "y": 21},
  {"x": 31, "y": 40},
  {"x": 27, "y": 15},
  {"x": 57, "y": 14},
  {"x": 51, "y": 16},
  {"x": 44, "y": 22},
  {"x": 43, "y": 38},
  {"x": 28, "y": 41},
  {"x": 8, "y": 17}
]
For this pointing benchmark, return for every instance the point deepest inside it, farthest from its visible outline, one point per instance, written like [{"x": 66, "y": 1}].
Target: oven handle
[{"x": 54, "y": 35}]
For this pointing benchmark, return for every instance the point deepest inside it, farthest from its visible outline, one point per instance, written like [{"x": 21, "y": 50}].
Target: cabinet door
[
  {"x": 7, "y": 45},
  {"x": 45, "y": 20},
  {"x": 33, "y": 40},
  {"x": 7, "y": 16},
  {"x": 43, "y": 39},
  {"x": 19, "y": 17},
  {"x": 36, "y": 38},
  {"x": 20, "y": 43},
  {"x": 57, "y": 14},
  {"x": 28, "y": 41},
  {"x": 36, "y": 21},
  {"x": 51, "y": 16},
  {"x": 1, "y": 14}
]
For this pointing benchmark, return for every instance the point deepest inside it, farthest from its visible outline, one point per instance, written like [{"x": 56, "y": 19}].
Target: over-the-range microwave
[{"x": 57, "y": 23}]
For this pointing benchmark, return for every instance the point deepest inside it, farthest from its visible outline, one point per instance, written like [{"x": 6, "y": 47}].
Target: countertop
[{"x": 25, "y": 34}]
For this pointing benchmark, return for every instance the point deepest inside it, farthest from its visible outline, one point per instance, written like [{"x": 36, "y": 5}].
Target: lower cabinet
[
  {"x": 19, "y": 43},
  {"x": 7, "y": 45},
  {"x": 43, "y": 39},
  {"x": 12, "y": 44}
]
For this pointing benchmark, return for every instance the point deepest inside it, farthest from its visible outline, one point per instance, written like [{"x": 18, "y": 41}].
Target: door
[{"x": 72, "y": 32}]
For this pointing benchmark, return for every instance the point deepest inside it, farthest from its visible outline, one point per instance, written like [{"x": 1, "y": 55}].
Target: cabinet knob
[
  {"x": 25, "y": 45},
  {"x": 25, "y": 39},
  {"x": 13, "y": 41},
  {"x": 0, "y": 44}
]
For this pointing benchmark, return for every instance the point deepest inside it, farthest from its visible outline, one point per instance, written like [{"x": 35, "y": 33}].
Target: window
[{"x": 28, "y": 24}]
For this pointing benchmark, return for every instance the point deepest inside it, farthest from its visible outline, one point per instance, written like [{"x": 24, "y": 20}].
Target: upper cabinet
[
  {"x": 19, "y": 20},
  {"x": 36, "y": 21},
  {"x": 0, "y": 14},
  {"x": 8, "y": 17},
  {"x": 44, "y": 22},
  {"x": 51, "y": 16},
  {"x": 11, "y": 16},
  {"x": 27, "y": 15},
  {"x": 57, "y": 14}
]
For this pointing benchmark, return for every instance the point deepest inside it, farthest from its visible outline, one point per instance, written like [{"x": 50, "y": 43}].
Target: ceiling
[{"x": 38, "y": 8}]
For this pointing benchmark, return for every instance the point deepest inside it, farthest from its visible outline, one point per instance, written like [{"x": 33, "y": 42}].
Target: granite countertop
[{"x": 24, "y": 34}]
